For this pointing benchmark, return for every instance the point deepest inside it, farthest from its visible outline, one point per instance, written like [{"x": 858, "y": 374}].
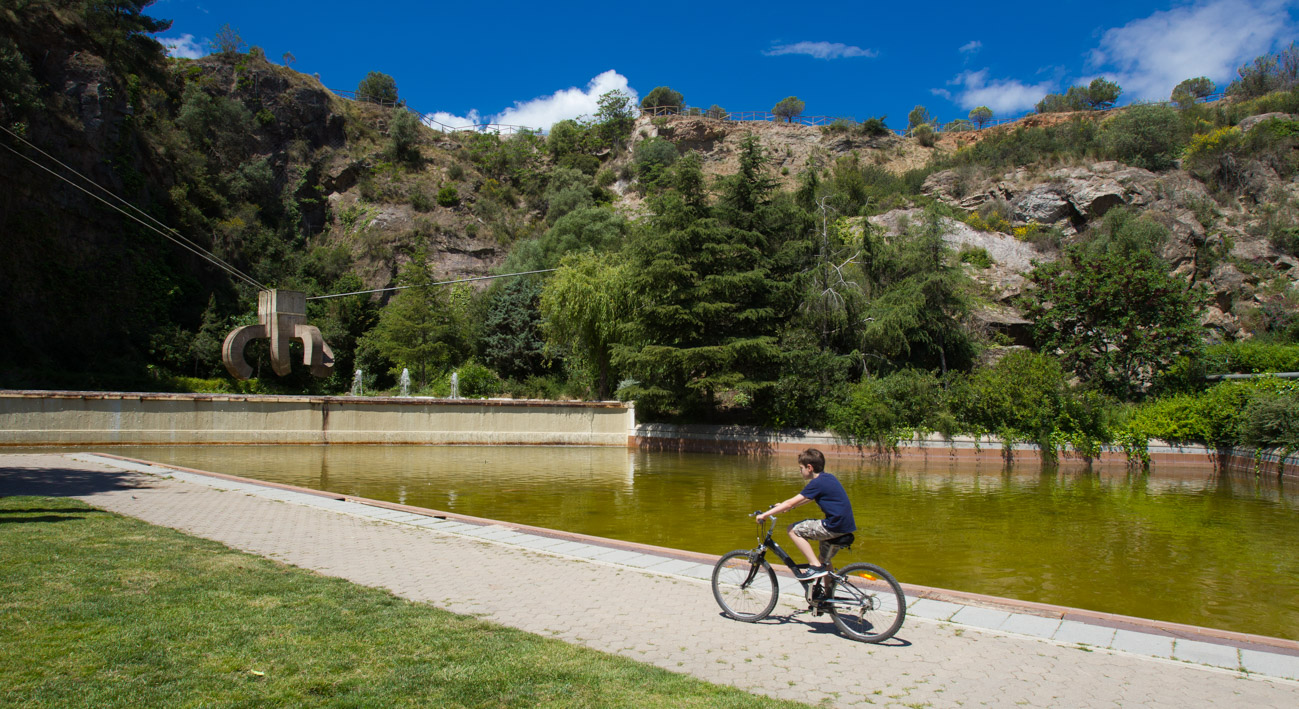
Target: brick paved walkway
[{"x": 654, "y": 607}]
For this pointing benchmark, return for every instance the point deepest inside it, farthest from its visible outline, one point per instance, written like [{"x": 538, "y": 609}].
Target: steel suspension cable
[{"x": 170, "y": 233}]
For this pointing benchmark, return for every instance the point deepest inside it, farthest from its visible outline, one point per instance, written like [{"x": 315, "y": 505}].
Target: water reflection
[{"x": 1183, "y": 545}]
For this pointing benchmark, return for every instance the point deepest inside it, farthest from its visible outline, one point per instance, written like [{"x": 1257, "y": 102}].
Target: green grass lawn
[{"x": 102, "y": 610}]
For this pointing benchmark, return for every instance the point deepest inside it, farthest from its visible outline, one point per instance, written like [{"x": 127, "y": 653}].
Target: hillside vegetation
[{"x": 1068, "y": 278}]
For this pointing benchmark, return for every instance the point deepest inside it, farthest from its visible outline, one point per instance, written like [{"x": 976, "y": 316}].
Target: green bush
[
  {"x": 448, "y": 196},
  {"x": 1272, "y": 420},
  {"x": 477, "y": 381},
  {"x": 1021, "y": 397},
  {"x": 881, "y": 410},
  {"x": 420, "y": 202},
  {"x": 925, "y": 135},
  {"x": 1215, "y": 417},
  {"x": 1145, "y": 135},
  {"x": 976, "y": 256},
  {"x": 1186, "y": 93}
]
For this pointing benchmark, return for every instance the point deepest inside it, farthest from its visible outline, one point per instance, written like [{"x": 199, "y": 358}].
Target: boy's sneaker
[{"x": 807, "y": 573}]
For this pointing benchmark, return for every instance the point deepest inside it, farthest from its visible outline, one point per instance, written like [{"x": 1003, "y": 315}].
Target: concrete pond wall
[
  {"x": 64, "y": 418},
  {"x": 46, "y": 418}
]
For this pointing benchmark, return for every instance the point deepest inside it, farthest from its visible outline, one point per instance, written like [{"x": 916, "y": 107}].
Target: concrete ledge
[{"x": 54, "y": 418}]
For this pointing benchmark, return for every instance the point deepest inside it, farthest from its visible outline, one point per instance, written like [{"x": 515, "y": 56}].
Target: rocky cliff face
[{"x": 1213, "y": 241}]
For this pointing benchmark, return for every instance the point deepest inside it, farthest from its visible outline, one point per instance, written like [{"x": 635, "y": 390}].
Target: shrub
[
  {"x": 919, "y": 116},
  {"x": 880, "y": 410},
  {"x": 925, "y": 135},
  {"x": 1272, "y": 419},
  {"x": 1145, "y": 135},
  {"x": 477, "y": 381},
  {"x": 1021, "y": 397},
  {"x": 420, "y": 202},
  {"x": 448, "y": 196},
  {"x": 874, "y": 126},
  {"x": 652, "y": 158},
  {"x": 715, "y": 111},
  {"x": 976, "y": 256}
]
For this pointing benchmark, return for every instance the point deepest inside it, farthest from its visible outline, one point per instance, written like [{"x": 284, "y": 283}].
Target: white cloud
[
  {"x": 1003, "y": 96},
  {"x": 821, "y": 50},
  {"x": 183, "y": 46},
  {"x": 971, "y": 47},
  {"x": 544, "y": 111},
  {"x": 1153, "y": 54},
  {"x": 450, "y": 120}
]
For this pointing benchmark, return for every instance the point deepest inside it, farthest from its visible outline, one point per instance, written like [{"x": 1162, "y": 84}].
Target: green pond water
[{"x": 1181, "y": 544}]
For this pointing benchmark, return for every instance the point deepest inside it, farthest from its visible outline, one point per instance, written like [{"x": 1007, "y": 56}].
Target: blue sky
[{"x": 536, "y": 63}]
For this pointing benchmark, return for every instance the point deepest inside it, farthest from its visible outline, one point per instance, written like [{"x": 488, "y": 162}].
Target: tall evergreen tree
[{"x": 421, "y": 329}]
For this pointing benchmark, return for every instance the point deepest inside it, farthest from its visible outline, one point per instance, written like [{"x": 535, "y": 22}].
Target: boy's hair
[{"x": 814, "y": 458}]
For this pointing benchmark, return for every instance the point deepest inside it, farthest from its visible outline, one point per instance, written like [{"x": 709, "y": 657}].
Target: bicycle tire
[
  {"x": 873, "y": 607},
  {"x": 744, "y": 592}
]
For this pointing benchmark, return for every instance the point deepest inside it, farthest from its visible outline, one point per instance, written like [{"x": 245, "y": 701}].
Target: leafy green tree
[
  {"x": 788, "y": 108},
  {"x": 227, "y": 41},
  {"x": 663, "y": 97},
  {"x": 599, "y": 229},
  {"x": 1102, "y": 93},
  {"x": 1149, "y": 136},
  {"x": 919, "y": 116},
  {"x": 423, "y": 328},
  {"x": 980, "y": 115},
  {"x": 121, "y": 29},
  {"x": 1267, "y": 73},
  {"x": 1021, "y": 397},
  {"x": 583, "y": 307},
  {"x": 568, "y": 190},
  {"x": 403, "y": 137},
  {"x": 652, "y": 157},
  {"x": 566, "y": 137},
  {"x": 512, "y": 341},
  {"x": 1113, "y": 310},
  {"x": 715, "y": 111},
  {"x": 1186, "y": 93},
  {"x": 19, "y": 91},
  {"x": 614, "y": 118},
  {"x": 379, "y": 88}
]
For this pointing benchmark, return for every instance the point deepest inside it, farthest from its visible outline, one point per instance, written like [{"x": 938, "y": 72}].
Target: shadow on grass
[
  {"x": 64, "y": 482},
  {"x": 42, "y": 518}
]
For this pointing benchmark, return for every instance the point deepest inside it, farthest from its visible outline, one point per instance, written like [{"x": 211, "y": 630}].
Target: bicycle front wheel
[
  {"x": 745, "y": 591},
  {"x": 867, "y": 604}
]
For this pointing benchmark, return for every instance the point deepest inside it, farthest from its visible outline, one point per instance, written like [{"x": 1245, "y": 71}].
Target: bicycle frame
[{"x": 766, "y": 541}]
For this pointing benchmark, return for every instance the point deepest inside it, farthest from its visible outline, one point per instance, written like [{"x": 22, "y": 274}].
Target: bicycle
[{"x": 864, "y": 601}]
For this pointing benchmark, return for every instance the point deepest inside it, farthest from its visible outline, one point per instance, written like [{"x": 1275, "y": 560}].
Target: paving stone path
[{"x": 657, "y": 608}]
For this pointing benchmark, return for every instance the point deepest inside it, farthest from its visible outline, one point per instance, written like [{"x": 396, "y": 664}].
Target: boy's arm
[{"x": 789, "y": 504}]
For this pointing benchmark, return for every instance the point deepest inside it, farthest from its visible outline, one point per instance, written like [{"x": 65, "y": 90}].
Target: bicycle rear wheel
[
  {"x": 867, "y": 604},
  {"x": 745, "y": 591}
]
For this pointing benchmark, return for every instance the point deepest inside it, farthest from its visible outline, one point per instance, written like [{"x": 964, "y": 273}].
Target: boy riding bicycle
[{"x": 826, "y": 491}]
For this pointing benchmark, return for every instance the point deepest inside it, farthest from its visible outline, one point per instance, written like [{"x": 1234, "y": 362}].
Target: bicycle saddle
[{"x": 843, "y": 540}]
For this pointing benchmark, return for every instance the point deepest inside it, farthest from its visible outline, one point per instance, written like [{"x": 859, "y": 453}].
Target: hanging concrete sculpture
[{"x": 283, "y": 318}]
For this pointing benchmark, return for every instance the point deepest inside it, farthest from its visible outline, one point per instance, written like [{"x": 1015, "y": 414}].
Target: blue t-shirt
[{"x": 828, "y": 494}]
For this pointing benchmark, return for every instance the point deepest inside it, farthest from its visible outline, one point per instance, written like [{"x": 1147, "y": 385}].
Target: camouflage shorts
[{"x": 814, "y": 530}]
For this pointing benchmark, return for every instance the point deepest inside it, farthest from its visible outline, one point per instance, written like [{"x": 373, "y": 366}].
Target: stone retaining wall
[
  {"x": 745, "y": 440},
  {"x": 40, "y": 418}
]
